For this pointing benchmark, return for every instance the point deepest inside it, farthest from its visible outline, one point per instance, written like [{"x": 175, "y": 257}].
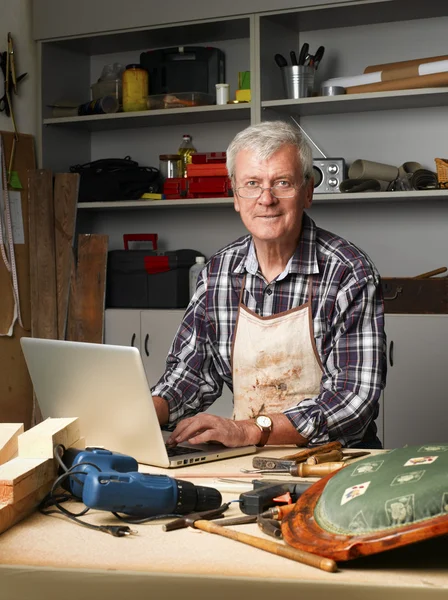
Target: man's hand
[{"x": 205, "y": 427}]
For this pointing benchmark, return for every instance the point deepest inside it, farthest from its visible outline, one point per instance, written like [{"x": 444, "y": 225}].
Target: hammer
[{"x": 197, "y": 521}]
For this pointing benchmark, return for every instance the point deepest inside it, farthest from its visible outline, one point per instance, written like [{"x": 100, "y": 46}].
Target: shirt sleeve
[
  {"x": 354, "y": 361},
  {"x": 191, "y": 382}
]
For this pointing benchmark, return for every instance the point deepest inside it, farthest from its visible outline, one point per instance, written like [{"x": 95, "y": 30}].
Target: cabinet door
[
  {"x": 158, "y": 328},
  {"x": 122, "y": 327},
  {"x": 415, "y": 400}
]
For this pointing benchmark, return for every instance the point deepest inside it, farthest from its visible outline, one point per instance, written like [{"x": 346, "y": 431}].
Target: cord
[{"x": 53, "y": 499}]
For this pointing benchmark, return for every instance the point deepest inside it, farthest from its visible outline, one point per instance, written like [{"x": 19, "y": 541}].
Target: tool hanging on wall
[{"x": 8, "y": 67}]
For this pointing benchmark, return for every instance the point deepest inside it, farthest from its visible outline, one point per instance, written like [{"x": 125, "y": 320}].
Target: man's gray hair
[{"x": 265, "y": 139}]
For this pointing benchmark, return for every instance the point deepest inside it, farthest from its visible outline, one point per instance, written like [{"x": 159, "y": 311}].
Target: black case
[
  {"x": 184, "y": 69},
  {"x": 130, "y": 285}
]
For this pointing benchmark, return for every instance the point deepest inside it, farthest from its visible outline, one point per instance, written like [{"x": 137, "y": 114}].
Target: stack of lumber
[
  {"x": 27, "y": 465},
  {"x": 67, "y": 294}
]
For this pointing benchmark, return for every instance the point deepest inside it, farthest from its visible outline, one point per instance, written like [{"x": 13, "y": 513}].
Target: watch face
[{"x": 264, "y": 421}]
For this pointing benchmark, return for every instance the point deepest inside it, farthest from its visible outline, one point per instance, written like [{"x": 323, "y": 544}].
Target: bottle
[
  {"x": 186, "y": 149},
  {"x": 194, "y": 273}
]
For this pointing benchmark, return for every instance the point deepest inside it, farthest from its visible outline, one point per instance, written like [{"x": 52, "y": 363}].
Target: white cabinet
[
  {"x": 415, "y": 398},
  {"x": 152, "y": 332}
]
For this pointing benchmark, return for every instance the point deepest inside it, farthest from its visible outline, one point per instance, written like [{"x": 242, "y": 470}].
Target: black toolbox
[
  {"x": 184, "y": 69},
  {"x": 147, "y": 278}
]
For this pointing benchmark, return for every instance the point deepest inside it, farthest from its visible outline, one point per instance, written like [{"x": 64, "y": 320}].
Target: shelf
[
  {"x": 362, "y": 198},
  {"x": 154, "y": 118},
  {"x": 321, "y": 105}
]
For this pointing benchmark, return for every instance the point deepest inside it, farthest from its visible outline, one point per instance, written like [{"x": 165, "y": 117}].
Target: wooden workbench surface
[{"x": 51, "y": 554}]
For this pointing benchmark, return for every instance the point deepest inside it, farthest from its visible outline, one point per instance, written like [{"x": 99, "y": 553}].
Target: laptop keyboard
[{"x": 179, "y": 450}]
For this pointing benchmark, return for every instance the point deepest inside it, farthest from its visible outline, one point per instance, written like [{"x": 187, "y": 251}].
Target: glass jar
[
  {"x": 135, "y": 88},
  {"x": 170, "y": 165}
]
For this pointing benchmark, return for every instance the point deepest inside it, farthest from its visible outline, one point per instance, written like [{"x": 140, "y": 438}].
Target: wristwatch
[{"x": 265, "y": 424}]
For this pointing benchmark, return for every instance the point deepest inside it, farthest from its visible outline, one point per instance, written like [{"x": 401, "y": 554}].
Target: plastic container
[
  {"x": 222, "y": 93},
  {"x": 170, "y": 165},
  {"x": 194, "y": 273},
  {"x": 135, "y": 88},
  {"x": 109, "y": 87},
  {"x": 181, "y": 100},
  {"x": 105, "y": 105},
  {"x": 186, "y": 149}
]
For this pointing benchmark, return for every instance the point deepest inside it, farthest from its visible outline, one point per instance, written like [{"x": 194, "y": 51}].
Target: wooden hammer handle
[
  {"x": 431, "y": 273},
  {"x": 304, "y": 470},
  {"x": 307, "y": 558}
]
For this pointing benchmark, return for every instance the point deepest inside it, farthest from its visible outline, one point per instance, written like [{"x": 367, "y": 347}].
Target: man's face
[{"x": 271, "y": 219}]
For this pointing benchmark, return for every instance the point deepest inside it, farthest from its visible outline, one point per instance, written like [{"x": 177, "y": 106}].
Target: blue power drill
[{"x": 110, "y": 481}]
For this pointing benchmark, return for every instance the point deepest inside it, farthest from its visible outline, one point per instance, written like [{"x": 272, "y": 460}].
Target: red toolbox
[{"x": 207, "y": 170}]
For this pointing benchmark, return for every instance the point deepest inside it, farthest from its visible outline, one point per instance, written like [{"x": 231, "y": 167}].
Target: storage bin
[{"x": 148, "y": 278}]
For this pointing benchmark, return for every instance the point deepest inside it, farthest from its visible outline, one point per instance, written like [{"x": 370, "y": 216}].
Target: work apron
[{"x": 275, "y": 364}]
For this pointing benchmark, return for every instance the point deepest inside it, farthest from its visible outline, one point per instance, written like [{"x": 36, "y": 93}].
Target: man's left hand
[{"x": 204, "y": 428}]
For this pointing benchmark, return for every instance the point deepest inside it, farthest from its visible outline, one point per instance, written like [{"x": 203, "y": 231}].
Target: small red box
[
  {"x": 207, "y": 170},
  {"x": 175, "y": 188},
  {"x": 200, "y": 158},
  {"x": 209, "y": 187}
]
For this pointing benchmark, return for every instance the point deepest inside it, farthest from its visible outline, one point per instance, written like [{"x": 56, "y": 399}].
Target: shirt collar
[{"x": 304, "y": 259}]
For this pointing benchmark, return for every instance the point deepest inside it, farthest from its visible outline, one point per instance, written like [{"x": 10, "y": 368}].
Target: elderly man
[{"x": 290, "y": 317}]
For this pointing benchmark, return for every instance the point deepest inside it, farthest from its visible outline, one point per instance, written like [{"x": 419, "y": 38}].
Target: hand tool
[
  {"x": 430, "y": 274},
  {"x": 271, "y": 527},
  {"x": 280, "y": 60},
  {"x": 261, "y": 462},
  {"x": 256, "y": 501},
  {"x": 196, "y": 521},
  {"x": 318, "y": 56},
  {"x": 293, "y": 57},
  {"x": 303, "y": 53},
  {"x": 302, "y": 470},
  {"x": 109, "y": 481}
]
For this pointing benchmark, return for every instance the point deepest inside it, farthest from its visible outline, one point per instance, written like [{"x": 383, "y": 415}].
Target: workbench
[{"x": 49, "y": 557}]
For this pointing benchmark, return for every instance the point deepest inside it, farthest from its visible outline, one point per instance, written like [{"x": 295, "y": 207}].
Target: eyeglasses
[{"x": 278, "y": 191}]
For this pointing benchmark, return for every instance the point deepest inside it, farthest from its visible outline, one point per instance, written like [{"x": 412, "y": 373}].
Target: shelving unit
[{"x": 401, "y": 197}]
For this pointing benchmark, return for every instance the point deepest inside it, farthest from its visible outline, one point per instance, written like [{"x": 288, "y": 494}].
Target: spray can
[{"x": 194, "y": 273}]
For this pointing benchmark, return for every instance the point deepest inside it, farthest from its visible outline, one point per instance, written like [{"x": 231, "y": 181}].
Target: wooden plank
[
  {"x": 39, "y": 441},
  {"x": 20, "y": 477},
  {"x": 9, "y": 433},
  {"x": 42, "y": 255},
  {"x": 16, "y": 396},
  {"x": 66, "y": 186},
  {"x": 86, "y": 315},
  {"x": 10, "y": 514}
]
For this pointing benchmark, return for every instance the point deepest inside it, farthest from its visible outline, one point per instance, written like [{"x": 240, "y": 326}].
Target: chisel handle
[
  {"x": 304, "y": 470},
  {"x": 317, "y": 459}
]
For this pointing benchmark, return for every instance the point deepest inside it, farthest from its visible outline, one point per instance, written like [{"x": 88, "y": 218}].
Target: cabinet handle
[
  {"x": 133, "y": 339},
  {"x": 146, "y": 344},
  {"x": 391, "y": 353}
]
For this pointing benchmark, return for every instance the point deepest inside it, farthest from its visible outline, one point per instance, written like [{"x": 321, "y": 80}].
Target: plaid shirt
[{"x": 348, "y": 324}]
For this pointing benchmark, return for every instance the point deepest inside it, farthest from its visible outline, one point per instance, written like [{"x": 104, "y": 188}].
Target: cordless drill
[{"x": 110, "y": 481}]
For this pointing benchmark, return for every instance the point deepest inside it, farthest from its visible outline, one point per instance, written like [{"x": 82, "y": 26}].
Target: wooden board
[
  {"x": 16, "y": 395},
  {"x": 39, "y": 441},
  {"x": 9, "y": 433},
  {"x": 66, "y": 187},
  {"x": 21, "y": 477},
  {"x": 86, "y": 312},
  {"x": 42, "y": 255}
]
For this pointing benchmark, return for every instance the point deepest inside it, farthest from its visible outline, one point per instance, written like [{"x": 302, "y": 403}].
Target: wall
[{"x": 15, "y": 17}]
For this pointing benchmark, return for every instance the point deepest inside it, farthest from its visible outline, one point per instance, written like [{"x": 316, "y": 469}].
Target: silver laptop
[{"x": 105, "y": 386}]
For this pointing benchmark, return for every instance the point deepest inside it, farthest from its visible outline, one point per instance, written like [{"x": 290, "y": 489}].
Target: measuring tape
[{"x": 6, "y": 224}]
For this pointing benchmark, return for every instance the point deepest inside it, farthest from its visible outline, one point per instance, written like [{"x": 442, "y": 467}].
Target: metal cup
[{"x": 298, "y": 81}]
